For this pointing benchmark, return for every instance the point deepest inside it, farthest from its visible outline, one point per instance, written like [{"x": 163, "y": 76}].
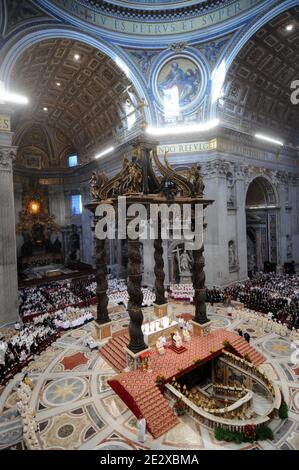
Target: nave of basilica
[{"x": 149, "y": 225}]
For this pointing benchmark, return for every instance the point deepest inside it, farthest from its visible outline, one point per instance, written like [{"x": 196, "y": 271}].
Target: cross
[
  {"x": 140, "y": 106},
  {"x": 177, "y": 251}
]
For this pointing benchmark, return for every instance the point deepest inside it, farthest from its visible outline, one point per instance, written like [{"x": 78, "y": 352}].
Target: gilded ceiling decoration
[
  {"x": 78, "y": 102},
  {"x": 257, "y": 89}
]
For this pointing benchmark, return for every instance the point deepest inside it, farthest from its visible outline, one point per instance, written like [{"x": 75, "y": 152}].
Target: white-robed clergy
[{"x": 141, "y": 430}]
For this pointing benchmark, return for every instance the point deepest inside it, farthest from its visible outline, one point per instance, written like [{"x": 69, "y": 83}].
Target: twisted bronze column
[
  {"x": 101, "y": 280},
  {"x": 159, "y": 272},
  {"x": 135, "y": 297},
  {"x": 198, "y": 279}
]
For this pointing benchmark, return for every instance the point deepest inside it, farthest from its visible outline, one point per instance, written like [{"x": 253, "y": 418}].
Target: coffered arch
[
  {"x": 261, "y": 193},
  {"x": 80, "y": 98},
  {"x": 48, "y": 144},
  {"x": 257, "y": 87},
  {"x": 83, "y": 98}
]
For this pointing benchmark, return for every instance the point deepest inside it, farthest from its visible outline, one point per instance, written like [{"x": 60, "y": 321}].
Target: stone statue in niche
[
  {"x": 289, "y": 247},
  {"x": 230, "y": 184},
  {"x": 232, "y": 257},
  {"x": 185, "y": 263}
]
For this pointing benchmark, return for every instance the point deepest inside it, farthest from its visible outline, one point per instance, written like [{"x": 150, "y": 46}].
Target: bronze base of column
[
  {"x": 201, "y": 329},
  {"x": 103, "y": 331},
  {"x": 134, "y": 361},
  {"x": 160, "y": 310}
]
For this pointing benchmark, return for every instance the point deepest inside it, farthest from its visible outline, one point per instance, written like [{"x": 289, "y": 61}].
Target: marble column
[
  {"x": 18, "y": 194},
  {"x": 216, "y": 235},
  {"x": 8, "y": 257},
  {"x": 241, "y": 227}
]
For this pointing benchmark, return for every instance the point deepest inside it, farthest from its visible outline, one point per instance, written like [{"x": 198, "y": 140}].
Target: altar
[
  {"x": 53, "y": 272},
  {"x": 156, "y": 328}
]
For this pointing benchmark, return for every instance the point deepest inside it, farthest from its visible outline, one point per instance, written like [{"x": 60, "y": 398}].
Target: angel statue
[
  {"x": 196, "y": 180},
  {"x": 97, "y": 181},
  {"x": 133, "y": 181}
]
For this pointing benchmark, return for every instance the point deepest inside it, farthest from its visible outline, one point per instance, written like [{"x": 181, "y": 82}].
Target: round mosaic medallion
[
  {"x": 278, "y": 347},
  {"x": 65, "y": 431},
  {"x": 179, "y": 83},
  {"x": 77, "y": 333},
  {"x": 12, "y": 400},
  {"x": 64, "y": 391},
  {"x": 112, "y": 446},
  {"x": 219, "y": 322}
]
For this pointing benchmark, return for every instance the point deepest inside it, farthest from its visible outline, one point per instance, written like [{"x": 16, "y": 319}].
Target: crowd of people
[
  {"x": 58, "y": 306},
  {"x": 181, "y": 292},
  {"x": 271, "y": 293},
  {"x": 18, "y": 346},
  {"x": 30, "y": 425},
  {"x": 77, "y": 293},
  {"x": 56, "y": 296},
  {"x": 22, "y": 343},
  {"x": 32, "y": 301}
]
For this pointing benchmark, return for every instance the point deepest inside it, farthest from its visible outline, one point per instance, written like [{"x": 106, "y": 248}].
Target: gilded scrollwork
[
  {"x": 98, "y": 180},
  {"x": 195, "y": 178}
]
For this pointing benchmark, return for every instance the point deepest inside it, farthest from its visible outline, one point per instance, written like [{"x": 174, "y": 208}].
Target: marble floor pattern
[{"x": 76, "y": 409}]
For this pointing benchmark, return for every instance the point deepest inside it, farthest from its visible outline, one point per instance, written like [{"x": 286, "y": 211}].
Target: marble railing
[
  {"x": 258, "y": 375},
  {"x": 212, "y": 421},
  {"x": 262, "y": 321},
  {"x": 226, "y": 390}
]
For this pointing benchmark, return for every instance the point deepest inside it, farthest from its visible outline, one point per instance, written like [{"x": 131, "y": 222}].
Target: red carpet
[
  {"x": 70, "y": 362},
  {"x": 140, "y": 392}
]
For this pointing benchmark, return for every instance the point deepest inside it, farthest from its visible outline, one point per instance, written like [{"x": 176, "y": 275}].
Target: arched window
[
  {"x": 72, "y": 160},
  {"x": 76, "y": 204}
]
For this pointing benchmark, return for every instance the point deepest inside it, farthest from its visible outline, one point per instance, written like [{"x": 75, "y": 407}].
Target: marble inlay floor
[{"x": 76, "y": 408}]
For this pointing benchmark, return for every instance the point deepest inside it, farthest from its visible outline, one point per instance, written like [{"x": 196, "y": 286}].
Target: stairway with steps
[
  {"x": 261, "y": 405},
  {"x": 113, "y": 351},
  {"x": 242, "y": 347},
  {"x": 145, "y": 400},
  {"x": 156, "y": 411}
]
